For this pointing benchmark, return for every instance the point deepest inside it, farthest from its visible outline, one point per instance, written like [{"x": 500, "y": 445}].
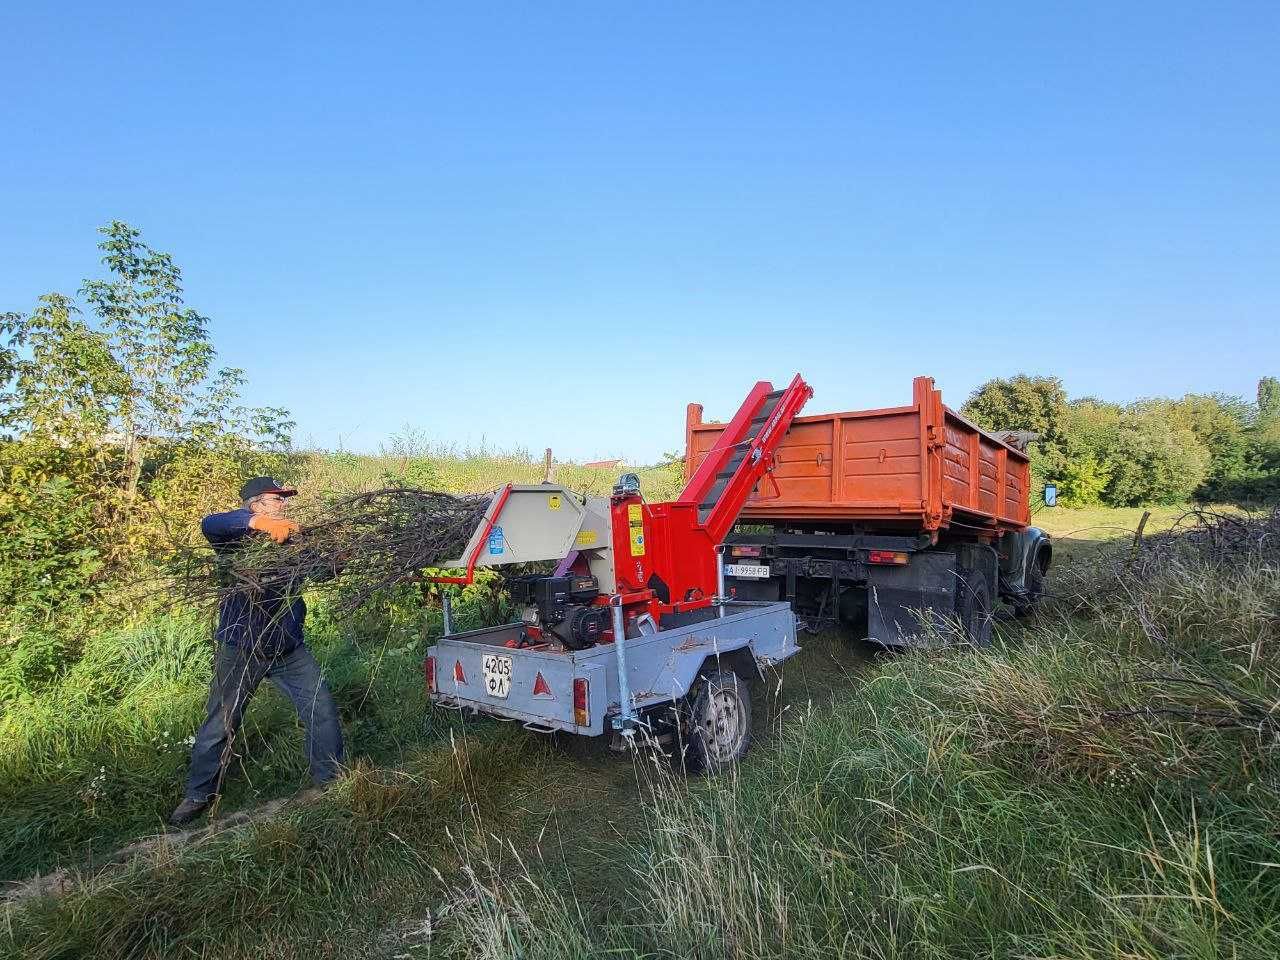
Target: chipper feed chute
[{"x": 526, "y": 524}]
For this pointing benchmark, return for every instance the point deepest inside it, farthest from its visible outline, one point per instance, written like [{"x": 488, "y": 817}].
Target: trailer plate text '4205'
[
  {"x": 497, "y": 675},
  {"x": 751, "y": 571}
]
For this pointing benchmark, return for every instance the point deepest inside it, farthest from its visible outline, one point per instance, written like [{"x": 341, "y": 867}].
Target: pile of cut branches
[
  {"x": 363, "y": 544},
  {"x": 1203, "y": 600}
]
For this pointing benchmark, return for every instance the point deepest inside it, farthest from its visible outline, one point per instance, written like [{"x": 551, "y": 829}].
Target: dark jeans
[{"x": 236, "y": 675}]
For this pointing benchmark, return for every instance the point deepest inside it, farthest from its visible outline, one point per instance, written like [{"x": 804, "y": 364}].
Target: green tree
[
  {"x": 161, "y": 345},
  {"x": 1021, "y": 402},
  {"x": 1268, "y": 400},
  {"x": 114, "y": 432},
  {"x": 1079, "y": 462},
  {"x": 1221, "y": 424},
  {"x": 1153, "y": 459}
]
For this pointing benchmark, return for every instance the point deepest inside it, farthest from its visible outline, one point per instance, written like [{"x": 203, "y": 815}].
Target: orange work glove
[{"x": 277, "y": 529}]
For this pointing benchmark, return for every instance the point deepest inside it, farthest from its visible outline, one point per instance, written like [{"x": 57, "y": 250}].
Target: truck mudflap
[{"x": 537, "y": 687}]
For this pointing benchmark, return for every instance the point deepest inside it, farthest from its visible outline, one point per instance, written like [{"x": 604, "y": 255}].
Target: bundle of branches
[{"x": 373, "y": 541}]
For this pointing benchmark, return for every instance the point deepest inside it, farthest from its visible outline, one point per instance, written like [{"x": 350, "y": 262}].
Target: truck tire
[
  {"x": 973, "y": 604},
  {"x": 717, "y": 728}
]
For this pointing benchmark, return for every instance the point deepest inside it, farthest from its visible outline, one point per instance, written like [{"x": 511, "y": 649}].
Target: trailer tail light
[
  {"x": 892, "y": 557},
  {"x": 744, "y": 551},
  {"x": 581, "y": 697},
  {"x": 429, "y": 668}
]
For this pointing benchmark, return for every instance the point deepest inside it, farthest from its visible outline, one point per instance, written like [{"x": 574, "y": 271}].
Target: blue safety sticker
[{"x": 496, "y": 544}]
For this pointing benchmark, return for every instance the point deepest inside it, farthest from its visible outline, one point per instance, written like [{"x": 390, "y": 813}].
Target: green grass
[
  {"x": 98, "y": 758},
  {"x": 1003, "y": 804},
  {"x": 1079, "y": 533}
]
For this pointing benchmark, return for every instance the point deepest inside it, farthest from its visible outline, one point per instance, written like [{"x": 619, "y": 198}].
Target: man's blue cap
[{"x": 260, "y": 485}]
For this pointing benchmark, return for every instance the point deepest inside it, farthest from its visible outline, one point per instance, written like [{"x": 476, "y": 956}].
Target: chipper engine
[{"x": 632, "y": 628}]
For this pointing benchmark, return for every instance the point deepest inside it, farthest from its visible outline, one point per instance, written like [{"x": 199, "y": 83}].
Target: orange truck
[{"x": 886, "y": 518}]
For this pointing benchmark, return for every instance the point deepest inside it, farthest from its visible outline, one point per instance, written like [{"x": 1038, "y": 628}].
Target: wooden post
[
  {"x": 548, "y": 468},
  {"x": 1137, "y": 534}
]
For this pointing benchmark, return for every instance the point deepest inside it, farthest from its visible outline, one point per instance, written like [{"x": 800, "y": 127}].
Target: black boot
[{"x": 187, "y": 811}]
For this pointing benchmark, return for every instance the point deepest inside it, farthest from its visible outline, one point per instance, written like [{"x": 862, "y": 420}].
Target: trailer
[
  {"x": 885, "y": 519},
  {"x": 629, "y": 626}
]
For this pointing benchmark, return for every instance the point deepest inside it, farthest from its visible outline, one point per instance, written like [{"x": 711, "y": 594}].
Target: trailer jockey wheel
[
  {"x": 975, "y": 608},
  {"x": 717, "y": 728}
]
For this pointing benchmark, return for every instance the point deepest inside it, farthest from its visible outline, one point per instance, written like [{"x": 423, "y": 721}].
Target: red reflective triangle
[
  {"x": 458, "y": 675},
  {"x": 541, "y": 688}
]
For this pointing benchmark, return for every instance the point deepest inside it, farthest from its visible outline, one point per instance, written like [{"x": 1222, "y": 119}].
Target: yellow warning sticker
[
  {"x": 635, "y": 523},
  {"x": 553, "y": 502},
  {"x": 585, "y": 538}
]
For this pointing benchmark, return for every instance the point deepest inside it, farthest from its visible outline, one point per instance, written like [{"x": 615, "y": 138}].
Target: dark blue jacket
[{"x": 267, "y": 620}]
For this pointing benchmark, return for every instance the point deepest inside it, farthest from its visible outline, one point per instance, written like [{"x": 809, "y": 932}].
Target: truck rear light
[
  {"x": 744, "y": 551},
  {"x": 581, "y": 698},
  {"x": 898, "y": 557},
  {"x": 429, "y": 668}
]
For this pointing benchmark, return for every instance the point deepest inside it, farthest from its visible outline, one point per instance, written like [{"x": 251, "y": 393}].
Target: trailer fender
[
  {"x": 675, "y": 678},
  {"x": 741, "y": 661},
  {"x": 664, "y": 669}
]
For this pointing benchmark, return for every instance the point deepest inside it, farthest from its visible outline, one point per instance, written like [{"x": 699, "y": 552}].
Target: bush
[{"x": 1153, "y": 460}]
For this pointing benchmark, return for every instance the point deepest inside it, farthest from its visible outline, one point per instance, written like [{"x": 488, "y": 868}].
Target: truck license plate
[
  {"x": 749, "y": 570},
  {"x": 497, "y": 675}
]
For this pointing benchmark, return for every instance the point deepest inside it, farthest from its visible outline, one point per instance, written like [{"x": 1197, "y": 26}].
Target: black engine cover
[
  {"x": 564, "y": 607},
  {"x": 582, "y": 627}
]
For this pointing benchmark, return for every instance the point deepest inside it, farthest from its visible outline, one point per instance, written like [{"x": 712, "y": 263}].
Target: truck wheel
[
  {"x": 718, "y": 722},
  {"x": 975, "y": 609}
]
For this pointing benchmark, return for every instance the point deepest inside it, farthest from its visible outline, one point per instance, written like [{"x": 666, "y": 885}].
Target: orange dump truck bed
[{"x": 921, "y": 466}]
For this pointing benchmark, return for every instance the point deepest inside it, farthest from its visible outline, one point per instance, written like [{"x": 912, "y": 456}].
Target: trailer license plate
[
  {"x": 497, "y": 675},
  {"x": 752, "y": 571}
]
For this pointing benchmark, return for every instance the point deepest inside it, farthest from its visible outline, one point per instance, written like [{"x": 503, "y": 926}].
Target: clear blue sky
[{"x": 549, "y": 224}]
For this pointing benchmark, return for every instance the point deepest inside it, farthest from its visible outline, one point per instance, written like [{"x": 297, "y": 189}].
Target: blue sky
[{"x": 556, "y": 224}]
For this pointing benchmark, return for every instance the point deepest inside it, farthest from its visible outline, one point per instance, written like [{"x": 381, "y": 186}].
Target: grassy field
[
  {"x": 1015, "y": 802},
  {"x": 1079, "y": 533}
]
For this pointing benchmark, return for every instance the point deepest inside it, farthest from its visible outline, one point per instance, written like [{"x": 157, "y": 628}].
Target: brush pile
[
  {"x": 1128, "y": 570},
  {"x": 373, "y": 541},
  {"x": 1197, "y": 606}
]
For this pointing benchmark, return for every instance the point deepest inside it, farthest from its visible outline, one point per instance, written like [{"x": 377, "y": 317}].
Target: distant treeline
[{"x": 1209, "y": 447}]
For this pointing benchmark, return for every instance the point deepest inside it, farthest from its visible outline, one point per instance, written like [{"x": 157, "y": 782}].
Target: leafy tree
[
  {"x": 64, "y": 380},
  {"x": 1079, "y": 463},
  {"x": 1221, "y": 424},
  {"x": 115, "y": 432},
  {"x": 1021, "y": 403},
  {"x": 1268, "y": 400},
  {"x": 161, "y": 346},
  {"x": 1153, "y": 460}
]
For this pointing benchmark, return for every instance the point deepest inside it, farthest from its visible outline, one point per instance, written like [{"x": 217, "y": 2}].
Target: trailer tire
[
  {"x": 977, "y": 613},
  {"x": 717, "y": 727}
]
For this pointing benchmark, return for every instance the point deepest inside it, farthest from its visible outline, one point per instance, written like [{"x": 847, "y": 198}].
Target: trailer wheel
[
  {"x": 975, "y": 609},
  {"x": 717, "y": 730}
]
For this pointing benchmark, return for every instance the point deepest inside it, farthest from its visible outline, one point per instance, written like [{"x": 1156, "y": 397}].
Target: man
[{"x": 259, "y": 636}]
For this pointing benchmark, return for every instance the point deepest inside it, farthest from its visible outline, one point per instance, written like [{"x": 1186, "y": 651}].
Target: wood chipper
[{"x": 633, "y": 628}]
